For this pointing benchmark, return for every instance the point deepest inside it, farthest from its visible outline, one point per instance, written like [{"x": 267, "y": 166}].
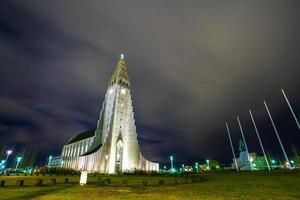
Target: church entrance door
[{"x": 119, "y": 156}]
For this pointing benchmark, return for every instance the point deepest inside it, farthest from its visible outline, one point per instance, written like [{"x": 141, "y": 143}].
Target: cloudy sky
[{"x": 193, "y": 65}]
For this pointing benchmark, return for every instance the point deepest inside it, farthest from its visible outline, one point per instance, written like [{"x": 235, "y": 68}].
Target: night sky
[{"x": 192, "y": 64}]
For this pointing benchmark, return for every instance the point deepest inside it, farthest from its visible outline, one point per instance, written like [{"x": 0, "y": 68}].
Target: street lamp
[
  {"x": 292, "y": 162},
  {"x": 196, "y": 166},
  {"x": 273, "y": 161},
  {"x": 171, "y": 159},
  {"x": 18, "y": 161},
  {"x": 207, "y": 162},
  {"x": 8, "y": 153},
  {"x": 49, "y": 162}
]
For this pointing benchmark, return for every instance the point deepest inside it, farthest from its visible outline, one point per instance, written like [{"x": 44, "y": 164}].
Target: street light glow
[
  {"x": 8, "y": 152},
  {"x": 292, "y": 161},
  {"x": 273, "y": 161},
  {"x": 19, "y": 159}
]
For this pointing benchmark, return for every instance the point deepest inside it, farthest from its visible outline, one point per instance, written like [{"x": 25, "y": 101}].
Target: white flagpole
[
  {"x": 261, "y": 145},
  {"x": 279, "y": 140},
  {"x": 236, "y": 165},
  {"x": 242, "y": 132},
  {"x": 292, "y": 111}
]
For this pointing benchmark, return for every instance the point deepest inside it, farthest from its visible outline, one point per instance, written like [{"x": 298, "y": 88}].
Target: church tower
[{"x": 115, "y": 146}]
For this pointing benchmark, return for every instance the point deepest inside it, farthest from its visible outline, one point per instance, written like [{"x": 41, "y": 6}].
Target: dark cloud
[{"x": 193, "y": 65}]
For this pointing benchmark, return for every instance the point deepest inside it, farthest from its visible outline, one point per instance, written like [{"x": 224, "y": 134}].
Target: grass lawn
[{"x": 222, "y": 185}]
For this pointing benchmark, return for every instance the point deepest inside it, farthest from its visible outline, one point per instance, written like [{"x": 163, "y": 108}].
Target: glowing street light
[
  {"x": 196, "y": 166},
  {"x": 292, "y": 161},
  {"x": 273, "y": 161},
  {"x": 8, "y": 153},
  {"x": 207, "y": 162},
  {"x": 49, "y": 162},
  {"x": 171, "y": 159},
  {"x": 18, "y": 161}
]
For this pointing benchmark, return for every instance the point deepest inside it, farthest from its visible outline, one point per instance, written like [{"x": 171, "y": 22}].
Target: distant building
[
  {"x": 113, "y": 146},
  {"x": 54, "y": 161}
]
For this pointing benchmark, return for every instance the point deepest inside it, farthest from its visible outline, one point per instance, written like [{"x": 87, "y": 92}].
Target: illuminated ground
[{"x": 222, "y": 185}]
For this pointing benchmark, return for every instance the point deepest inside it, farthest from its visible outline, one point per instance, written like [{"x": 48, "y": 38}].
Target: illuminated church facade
[{"x": 113, "y": 146}]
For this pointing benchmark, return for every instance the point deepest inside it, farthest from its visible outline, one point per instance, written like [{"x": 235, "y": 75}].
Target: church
[{"x": 113, "y": 146}]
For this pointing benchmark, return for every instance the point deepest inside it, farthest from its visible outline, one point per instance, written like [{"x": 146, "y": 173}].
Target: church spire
[{"x": 120, "y": 75}]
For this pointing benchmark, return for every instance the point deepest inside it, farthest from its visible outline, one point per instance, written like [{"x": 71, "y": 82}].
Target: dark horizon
[{"x": 192, "y": 65}]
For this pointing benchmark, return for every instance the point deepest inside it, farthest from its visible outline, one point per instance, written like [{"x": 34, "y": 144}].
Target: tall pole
[
  {"x": 242, "y": 132},
  {"x": 236, "y": 165},
  {"x": 292, "y": 111},
  {"x": 279, "y": 140},
  {"x": 261, "y": 145}
]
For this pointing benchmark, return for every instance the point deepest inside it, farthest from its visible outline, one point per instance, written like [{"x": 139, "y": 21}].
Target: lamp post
[
  {"x": 49, "y": 162},
  {"x": 18, "y": 161},
  {"x": 207, "y": 162},
  {"x": 8, "y": 153},
  {"x": 171, "y": 159}
]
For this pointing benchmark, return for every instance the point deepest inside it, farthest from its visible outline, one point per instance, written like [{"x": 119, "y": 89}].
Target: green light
[
  {"x": 292, "y": 161},
  {"x": 218, "y": 167},
  {"x": 207, "y": 161},
  {"x": 254, "y": 165},
  {"x": 273, "y": 161}
]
